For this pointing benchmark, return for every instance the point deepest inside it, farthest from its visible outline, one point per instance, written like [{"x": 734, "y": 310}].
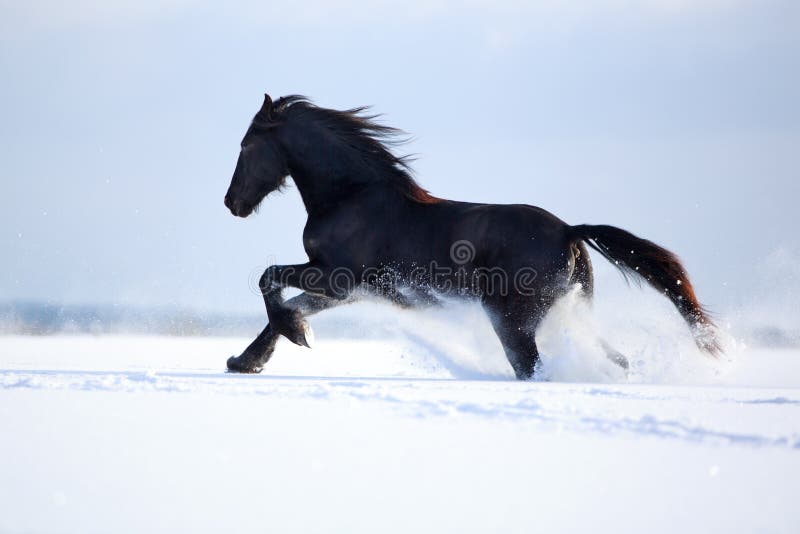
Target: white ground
[{"x": 395, "y": 432}]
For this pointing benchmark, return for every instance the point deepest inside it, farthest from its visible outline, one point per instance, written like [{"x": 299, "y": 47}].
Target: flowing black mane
[{"x": 360, "y": 132}]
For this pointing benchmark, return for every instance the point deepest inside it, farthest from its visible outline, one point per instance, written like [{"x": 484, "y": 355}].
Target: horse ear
[{"x": 267, "y": 110}]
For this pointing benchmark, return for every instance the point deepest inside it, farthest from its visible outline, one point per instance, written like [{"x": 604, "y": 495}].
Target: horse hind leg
[
  {"x": 515, "y": 321},
  {"x": 614, "y": 355},
  {"x": 582, "y": 274}
]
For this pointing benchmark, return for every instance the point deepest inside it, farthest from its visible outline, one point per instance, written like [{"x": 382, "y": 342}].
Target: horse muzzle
[{"x": 237, "y": 208}]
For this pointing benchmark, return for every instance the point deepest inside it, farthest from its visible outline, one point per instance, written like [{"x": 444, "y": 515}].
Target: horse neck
[{"x": 328, "y": 180}]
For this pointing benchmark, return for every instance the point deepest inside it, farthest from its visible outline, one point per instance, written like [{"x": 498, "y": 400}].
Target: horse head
[{"x": 261, "y": 167}]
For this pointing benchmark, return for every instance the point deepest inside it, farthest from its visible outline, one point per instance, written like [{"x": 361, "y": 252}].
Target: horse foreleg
[
  {"x": 258, "y": 353},
  {"x": 414, "y": 298},
  {"x": 287, "y": 320}
]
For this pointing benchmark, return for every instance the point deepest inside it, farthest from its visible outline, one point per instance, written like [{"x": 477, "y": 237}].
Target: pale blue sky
[{"x": 676, "y": 119}]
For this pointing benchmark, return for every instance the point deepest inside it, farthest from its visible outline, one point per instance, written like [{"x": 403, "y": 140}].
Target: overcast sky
[{"x": 676, "y": 119}]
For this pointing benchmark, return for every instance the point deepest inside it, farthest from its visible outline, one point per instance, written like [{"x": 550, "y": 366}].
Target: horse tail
[{"x": 659, "y": 267}]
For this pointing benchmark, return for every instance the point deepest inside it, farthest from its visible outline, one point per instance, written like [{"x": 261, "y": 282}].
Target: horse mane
[{"x": 373, "y": 141}]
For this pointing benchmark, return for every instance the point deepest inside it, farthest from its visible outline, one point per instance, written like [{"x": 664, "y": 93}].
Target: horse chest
[
  {"x": 324, "y": 241},
  {"x": 311, "y": 244}
]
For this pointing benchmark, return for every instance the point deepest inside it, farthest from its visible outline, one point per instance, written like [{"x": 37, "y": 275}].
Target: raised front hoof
[
  {"x": 291, "y": 325},
  {"x": 304, "y": 336},
  {"x": 237, "y": 364}
]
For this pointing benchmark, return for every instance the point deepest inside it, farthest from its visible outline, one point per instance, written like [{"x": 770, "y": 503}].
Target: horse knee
[{"x": 269, "y": 281}]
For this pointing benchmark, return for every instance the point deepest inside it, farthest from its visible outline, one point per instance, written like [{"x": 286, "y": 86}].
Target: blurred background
[{"x": 676, "y": 119}]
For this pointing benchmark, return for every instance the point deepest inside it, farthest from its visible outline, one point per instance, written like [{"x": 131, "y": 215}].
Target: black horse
[{"x": 371, "y": 229}]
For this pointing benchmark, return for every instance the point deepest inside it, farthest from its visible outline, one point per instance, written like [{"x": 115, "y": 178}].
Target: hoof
[
  {"x": 305, "y": 336},
  {"x": 237, "y": 365},
  {"x": 615, "y": 356},
  {"x": 291, "y": 325},
  {"x": 618, "y": 358}
]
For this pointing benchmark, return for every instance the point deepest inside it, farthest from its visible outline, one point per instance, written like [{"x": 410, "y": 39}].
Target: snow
[
  {"x": 136, "y": 434},
  {"x": 394, "y": 432}
]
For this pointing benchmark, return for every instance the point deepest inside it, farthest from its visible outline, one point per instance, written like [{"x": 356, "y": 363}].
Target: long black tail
[{"x": 659, "y": 267}]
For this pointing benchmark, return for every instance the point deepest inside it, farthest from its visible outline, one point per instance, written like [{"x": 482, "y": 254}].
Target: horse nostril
[{"x": 227, "y": 201}]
